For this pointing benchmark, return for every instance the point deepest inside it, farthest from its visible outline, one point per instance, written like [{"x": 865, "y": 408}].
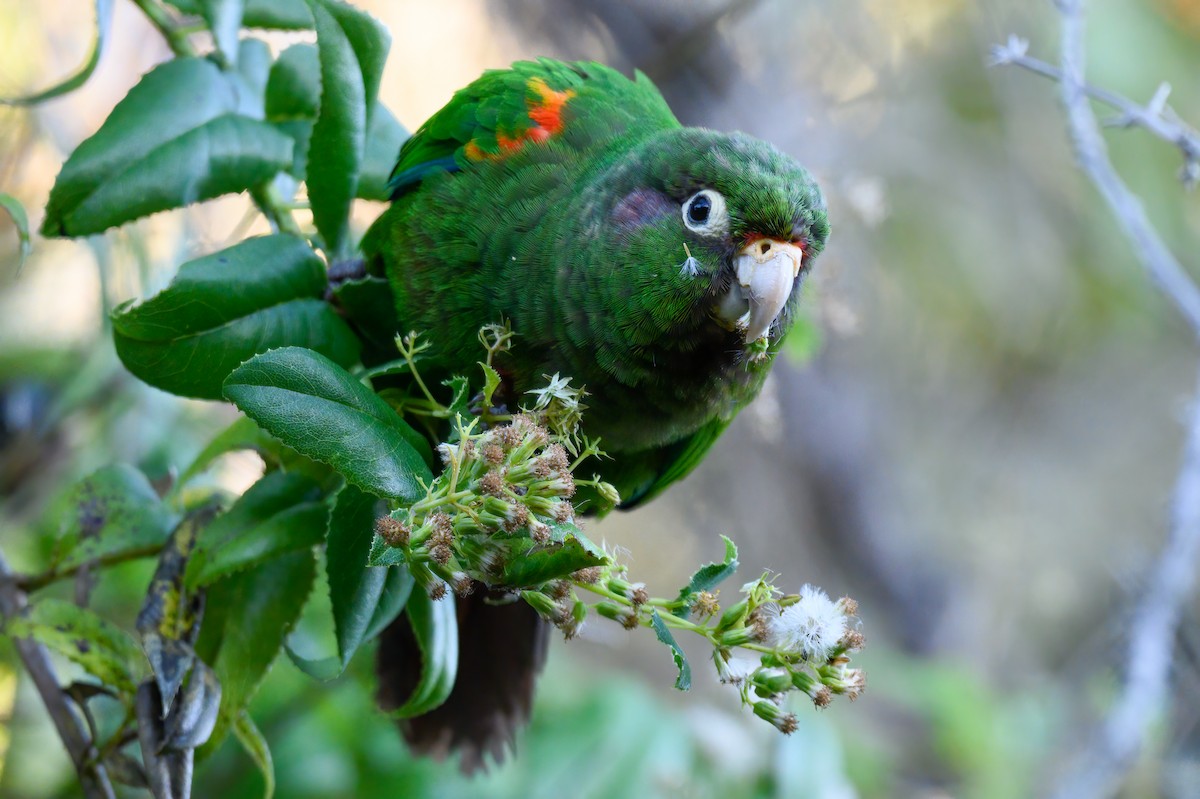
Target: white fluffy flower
[{"x": 812, "y": 626}]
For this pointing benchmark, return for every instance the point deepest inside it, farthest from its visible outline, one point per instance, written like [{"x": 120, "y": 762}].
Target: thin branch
[
  {"x": 1120, "y": 738},
  {"x": 92, "y": 775},
  {"x": 1155, "y": 117}
]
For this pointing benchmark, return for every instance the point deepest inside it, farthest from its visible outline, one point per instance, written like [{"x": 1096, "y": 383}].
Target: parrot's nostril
[{"x": 765, "y": 247}]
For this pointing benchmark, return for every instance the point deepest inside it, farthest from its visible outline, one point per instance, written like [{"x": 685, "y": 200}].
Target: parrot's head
[{"x": 712, "y": 229}]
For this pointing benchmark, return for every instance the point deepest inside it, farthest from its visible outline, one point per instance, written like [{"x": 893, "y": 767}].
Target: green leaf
[
  {"x": 294, "y": 86},
  {"x": 385, "y": 136},
  {"x": 352, "y": 47},
  {"x": 354, "y": 587},
  {"x": 224, "y": 19},
  {"x": 460, "y": 399},
  {"x": 435, "y": 626},
  {"x": 70, "y": 84},
  {"x": 12, "y": 206},
  {"x": 256, "y": 746},
  {"x": 710, "y": 575},
  {"x": 186, "y": 132},
  {"x": 114, "y": 511},
  {"x": 530, "y": 564},
  {"x": 397, "y": 588},
  {"x": 270, "y": 14},
  {"x": 102, "y": 649},
  {"x": 293, "y": 96},
  {"x": 242, "y": 434},
  {"x": 684, "y": 680},
  {"x": 223, "y": 308},
  {"x": 371, "y": 307},
  {"x": 491, "y": 382},
  {"x": 282, "y": 512},
  {"x": 248, "y": 617},
  {"x": 320, "y": 410}
]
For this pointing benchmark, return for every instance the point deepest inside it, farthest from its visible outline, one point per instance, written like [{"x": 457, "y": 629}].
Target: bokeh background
[{"x": 975, "y": 438}]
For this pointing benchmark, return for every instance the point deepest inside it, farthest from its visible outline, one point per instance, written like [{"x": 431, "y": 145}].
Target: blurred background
[{"x": 976, "y": 436}]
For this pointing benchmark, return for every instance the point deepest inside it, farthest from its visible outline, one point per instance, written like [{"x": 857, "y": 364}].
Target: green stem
[
  {"x": 176, "y": 36},
  {"x": 35, "y": 581},
  {"x": 273, "y": 207}
]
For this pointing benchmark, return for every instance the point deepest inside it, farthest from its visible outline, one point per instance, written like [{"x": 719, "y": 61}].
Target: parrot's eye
[{"x": 704, "y": 213}]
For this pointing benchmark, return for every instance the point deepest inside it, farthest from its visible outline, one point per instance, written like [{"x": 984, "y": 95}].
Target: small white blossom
[
  {"x": 812, "y": 626},
  {"x": 558, "y": 388}
]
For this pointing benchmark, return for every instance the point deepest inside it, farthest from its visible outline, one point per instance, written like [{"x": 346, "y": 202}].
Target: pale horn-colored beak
[{"x": 766, "y": 270}]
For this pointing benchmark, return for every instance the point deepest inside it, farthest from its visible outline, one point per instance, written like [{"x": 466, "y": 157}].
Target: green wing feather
[{"x": 497, "y": 107}]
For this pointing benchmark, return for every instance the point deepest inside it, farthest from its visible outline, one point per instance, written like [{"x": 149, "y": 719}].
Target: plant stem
[
  {"x": 33, "y": 582},
  {"x": 175, "y": 35},
  {"x": 93, "y": 777}
]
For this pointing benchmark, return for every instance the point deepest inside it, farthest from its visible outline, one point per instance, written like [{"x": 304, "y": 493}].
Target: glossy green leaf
[
  {"x": 385, "y": 136},
  {"x": 397, "y": 588},
  {"x": 248, "y": 617},
  {"x": 186, "y": 132},
  {"x": 683, "y": 681},
  {"x": 113, "y": 512},
  {"x": 282, "y": 512},
  {"x": 339, "y": 133},
  {"x": 102, "y": 649},
  {"x": 530, "y": 564},
  {"x": 320, "y": 410},
  {"x": 435, "y": 626},
  {"x": 710, "y": 575},
  {"x": 103, "y": 23},
  {"x": 12, "y": 206},
  {"x": 223, "y": 308},
  {"x": 256, "y": 746},
  {"x": 224, "y": 19},
  {"x": 354, "y": 587}
]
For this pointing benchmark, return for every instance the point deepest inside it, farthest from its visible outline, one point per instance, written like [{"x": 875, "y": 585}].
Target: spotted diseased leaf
[
  {"x": 321, "y": 411},
  {"x": 710, "y": 575},
  {"x": 102, "y": 649},
  {"x": 683, "y": 681},
  {"x": 223, "y": 308},
  {"x": 114, "y": 512},
  {"x": 188, "y": 131},
  {"x": 435, "y": 626},
  {"x": 282, "y": 512},
  {"x": 170, "y": 616}
]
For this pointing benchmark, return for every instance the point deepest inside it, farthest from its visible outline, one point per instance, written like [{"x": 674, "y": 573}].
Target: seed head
[{"x": 392, "y": 531}]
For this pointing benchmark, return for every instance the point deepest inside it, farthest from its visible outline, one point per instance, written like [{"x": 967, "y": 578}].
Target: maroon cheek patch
[{"x": 641, "y": 207}]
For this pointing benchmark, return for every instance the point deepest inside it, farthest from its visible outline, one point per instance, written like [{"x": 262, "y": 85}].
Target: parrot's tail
[{"x": 501, "y": 649}]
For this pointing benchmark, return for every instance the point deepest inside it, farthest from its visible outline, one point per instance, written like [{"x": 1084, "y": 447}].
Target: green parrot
[{"x": 657, "y": 265}]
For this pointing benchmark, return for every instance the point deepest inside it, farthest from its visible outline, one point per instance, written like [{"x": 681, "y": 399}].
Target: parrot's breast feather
[{"x": 529, "y": 105}]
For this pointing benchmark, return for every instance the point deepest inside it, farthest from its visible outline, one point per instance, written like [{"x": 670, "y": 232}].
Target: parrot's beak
[{"x": 766, "y": 270}]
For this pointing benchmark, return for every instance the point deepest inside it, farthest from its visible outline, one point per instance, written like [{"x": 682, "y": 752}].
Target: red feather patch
[{"x": 545, "y": 114}]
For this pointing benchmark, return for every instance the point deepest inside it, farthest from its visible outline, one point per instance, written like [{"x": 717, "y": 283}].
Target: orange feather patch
[{"x": 545, "y": 112}]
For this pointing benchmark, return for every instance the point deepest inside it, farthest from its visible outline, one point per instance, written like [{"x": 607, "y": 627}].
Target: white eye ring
[{"x": 705, "y": 213}]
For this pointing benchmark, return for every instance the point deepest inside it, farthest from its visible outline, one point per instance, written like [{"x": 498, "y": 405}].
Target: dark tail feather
[{"x": 501, "y": 647}]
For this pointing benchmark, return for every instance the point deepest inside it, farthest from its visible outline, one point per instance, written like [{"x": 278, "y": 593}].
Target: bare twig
[
  {"x": 92, "y": 774},
  {"x": 1121, "y": 736},
  {"x": 1155, "y": 117}
]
